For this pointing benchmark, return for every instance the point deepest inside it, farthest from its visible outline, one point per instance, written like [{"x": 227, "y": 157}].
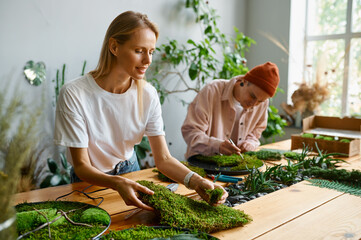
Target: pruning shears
[{"x": 224, "y": 178}]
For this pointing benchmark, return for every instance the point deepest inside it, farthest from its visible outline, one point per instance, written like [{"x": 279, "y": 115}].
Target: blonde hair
[{"x": 121, "y": 29}]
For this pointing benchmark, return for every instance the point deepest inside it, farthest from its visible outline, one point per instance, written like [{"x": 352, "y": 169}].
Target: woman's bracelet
[{"x": 187, "y": 178}]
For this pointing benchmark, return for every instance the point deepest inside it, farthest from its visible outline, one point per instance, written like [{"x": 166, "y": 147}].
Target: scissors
[{"x": 224, "y": 178}]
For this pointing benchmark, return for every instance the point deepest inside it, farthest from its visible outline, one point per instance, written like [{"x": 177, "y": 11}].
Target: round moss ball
[
  {"x": 95, "y": 215},
  {"x": 307, "y": 135},
  {"x": 328, "y": 138}
]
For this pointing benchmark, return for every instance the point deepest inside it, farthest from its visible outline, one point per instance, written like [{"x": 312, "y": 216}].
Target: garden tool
[
  {"x": 224, "y": 178},
  {"x": 240, "y": 154}
]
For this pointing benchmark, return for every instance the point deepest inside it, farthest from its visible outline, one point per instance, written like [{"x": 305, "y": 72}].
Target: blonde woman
[{"x": 102, "y": 115}]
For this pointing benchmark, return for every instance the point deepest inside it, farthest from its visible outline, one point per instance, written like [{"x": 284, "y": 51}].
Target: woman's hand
[
  {"x": 200, "y": 184},
  {"x": 128, "y": 189}
]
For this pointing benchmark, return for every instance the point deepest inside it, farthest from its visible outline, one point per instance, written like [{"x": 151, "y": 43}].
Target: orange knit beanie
[{"x": 265, "y": 76}]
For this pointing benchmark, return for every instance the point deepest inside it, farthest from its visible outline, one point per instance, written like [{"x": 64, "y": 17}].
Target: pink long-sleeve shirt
[{"x": 211, "y": 117}]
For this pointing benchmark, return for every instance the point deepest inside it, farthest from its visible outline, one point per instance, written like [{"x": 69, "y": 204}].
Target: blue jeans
[{"x": 126, "y": 166}]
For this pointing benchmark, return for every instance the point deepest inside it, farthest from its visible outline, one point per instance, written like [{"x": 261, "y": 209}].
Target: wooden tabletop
[{"x": 300, "y": 211}]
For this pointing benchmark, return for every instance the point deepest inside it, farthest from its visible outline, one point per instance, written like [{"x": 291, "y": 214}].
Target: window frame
[{"x": 298, "y": 23}]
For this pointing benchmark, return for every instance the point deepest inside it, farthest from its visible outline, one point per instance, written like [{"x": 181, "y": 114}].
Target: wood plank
[
  {"x": 277, "y": 208},
  {"x": 120, "y": 221},
  {"x": 352, "y": 163},
  {"x": 51, "y": 193},
  {"x": 112, "y": 203},
  {"x": 282, "y": 145},
  {"x": 339, "y": 218}
]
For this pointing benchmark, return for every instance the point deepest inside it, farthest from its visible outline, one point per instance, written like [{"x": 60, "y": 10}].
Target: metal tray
[{"x": 72, "y": 202}]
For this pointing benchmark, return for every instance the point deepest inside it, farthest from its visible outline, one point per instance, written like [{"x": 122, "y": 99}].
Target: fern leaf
[{"x": 354, "y": 189}]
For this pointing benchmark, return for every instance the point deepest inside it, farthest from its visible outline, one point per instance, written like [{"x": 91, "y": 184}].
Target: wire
[{"x": 86, "y": 194}]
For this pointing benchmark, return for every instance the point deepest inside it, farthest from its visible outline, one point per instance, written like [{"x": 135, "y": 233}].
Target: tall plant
[
  {"x": 215, "y": 56},
  {"x": 15, "y": 148},
  {"x": 275, "y": 124},
  {"x": 58, "y": 173},
  {"x": 200, "y": 60}
]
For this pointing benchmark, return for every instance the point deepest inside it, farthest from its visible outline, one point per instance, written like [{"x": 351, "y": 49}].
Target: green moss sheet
[
  {"x": 221, "y": 160},
  {"x": 143, "y": 232},
  {"x": 179, "y": 211}
]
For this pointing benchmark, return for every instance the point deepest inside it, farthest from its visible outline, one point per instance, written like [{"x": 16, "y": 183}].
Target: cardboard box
[{"x": 342, "y": 128}]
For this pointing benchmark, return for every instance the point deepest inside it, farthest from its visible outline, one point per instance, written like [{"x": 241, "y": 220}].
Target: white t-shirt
[{"x": 108, "y": 124}]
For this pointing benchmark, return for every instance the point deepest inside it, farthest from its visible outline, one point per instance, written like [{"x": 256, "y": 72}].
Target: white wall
[
  {"x": 270, "y": 17},
  {"x": 70, "y": 32}
]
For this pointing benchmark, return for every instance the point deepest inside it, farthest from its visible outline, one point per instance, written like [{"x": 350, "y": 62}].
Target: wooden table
[{"x": 300, "y": 211}]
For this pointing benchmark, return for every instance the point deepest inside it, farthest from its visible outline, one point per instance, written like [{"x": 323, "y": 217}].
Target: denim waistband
[
  {"x": 121, "y": 167},
  {"x": 118, "y": 169}
]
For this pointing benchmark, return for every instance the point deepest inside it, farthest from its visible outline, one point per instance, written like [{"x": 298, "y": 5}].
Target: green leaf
[
  {"x": 141, "y": 154},
  {"x": 55, "y": 180},
  {"x": 35, "y": 73},
  {"x": 190, "y": 41},
  {"x": 193, "y": 71},
  {"x": 46, "y": 182},
  {"x": 64, "y": 162},
  {"x": 64, "y": 180},
  {"x": 53, "y": 166},
  {"x": 208, "y": 30}
]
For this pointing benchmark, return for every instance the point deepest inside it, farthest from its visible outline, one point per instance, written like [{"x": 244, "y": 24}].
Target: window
[{"x": 333, "y": 53}]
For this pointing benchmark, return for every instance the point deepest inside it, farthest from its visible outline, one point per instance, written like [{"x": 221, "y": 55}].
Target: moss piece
[
  {"x": 307, "y": 135},
  {"x": 345, "y": 140},
  {"x": 95, "y": 215},
  {"x": 248, "y": 163},
  {"x": 141, "y": 232},
  {"x": 328, "y": 138},
  {"x": 31, "y": 219},
  {"x": 179, "y": 211},
  {"x": 292, "y": 155},
  {"x": 195, "y": 169},
  {"x": 320, "y": 137},
  {"x": 161, "y": 176},
  {"x": 214, "y": 195},
  {"x": 221, "y": 161},
  {"x": 265, "y": 154}
]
